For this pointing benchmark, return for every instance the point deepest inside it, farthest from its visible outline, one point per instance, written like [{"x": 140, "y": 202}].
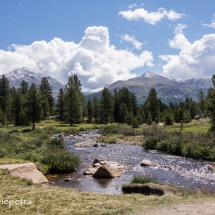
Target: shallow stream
[{"x": 175, "y": 170}]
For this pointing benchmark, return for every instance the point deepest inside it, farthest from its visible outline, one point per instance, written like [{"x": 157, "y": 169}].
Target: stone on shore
[{"x": 27, "y": 171}]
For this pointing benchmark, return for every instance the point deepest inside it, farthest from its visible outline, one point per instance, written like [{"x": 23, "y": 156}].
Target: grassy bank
[
  {"x": 54, "y": 200},
  {"x": 21, "y": 144},
  {"x": 197, "y": 145},
  {"x": 120, "y": 133}
]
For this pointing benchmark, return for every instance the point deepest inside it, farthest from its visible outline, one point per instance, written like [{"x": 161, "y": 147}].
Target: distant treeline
[{"x": 30, "y": 104}]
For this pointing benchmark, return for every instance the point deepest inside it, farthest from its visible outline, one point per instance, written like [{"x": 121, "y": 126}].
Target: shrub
[
  {"x": 151, "y": 143},
  {"x": 168, "y": 119},
  {"x": 170, "y": 145},
  {"x": 57, "y": 142},
  {"x": 135, "y": 123},
  {"x": 60, "y": 160}
]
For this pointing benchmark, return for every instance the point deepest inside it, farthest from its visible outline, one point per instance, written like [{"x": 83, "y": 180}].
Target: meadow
[{"x": 54, "y": 200}]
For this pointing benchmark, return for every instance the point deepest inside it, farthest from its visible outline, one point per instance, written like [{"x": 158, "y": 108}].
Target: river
[{"x": 175, "y": 170}]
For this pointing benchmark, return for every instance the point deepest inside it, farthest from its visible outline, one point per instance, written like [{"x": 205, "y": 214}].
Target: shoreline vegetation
[{"x": 70, "y": 201}]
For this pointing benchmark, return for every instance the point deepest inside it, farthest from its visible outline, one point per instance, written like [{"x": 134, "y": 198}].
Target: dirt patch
[{"x": 205, "y": 206}]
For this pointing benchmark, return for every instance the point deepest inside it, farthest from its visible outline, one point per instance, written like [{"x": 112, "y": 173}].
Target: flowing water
[{"x": 175, "y": 170}]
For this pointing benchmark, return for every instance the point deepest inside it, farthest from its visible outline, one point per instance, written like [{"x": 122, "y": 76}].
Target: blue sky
[{"x": 109, "y": 40}]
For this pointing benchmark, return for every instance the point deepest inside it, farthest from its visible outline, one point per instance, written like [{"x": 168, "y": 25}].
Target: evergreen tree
[
  {"x": 123, "y": 111},
  {"x": 96, "y": 108},
  {"x": 186, "y": 116},
  {"x": 149, "y": 121},
  {"x": 73, "y": 100},
  {"x": 139, "y": 119},
  {"x": 5, "y": 99},
  {"x": 18, "y": 109},
  {"x": 33, "y": 105},
  {"x": 178, "y": 114},
  {"x": 168, "y": 117},
  {"x": 45, "y": 106},
  {"x": 211, "y": 103},
  {"x": 152, "y": 104},
  {"x": 4, "y": 92},
  {"x": 135, "y": 122},
  {"x": 23, "y": 87},
  {"x": 124, "y": 96},
  {"x": 61, "y": 103},
  {"x": 106, "y": 106},
  {"x": 46, "y": 91},
  {"x": 90, "y": 110},
  {"x": 129, "y": 117},
  {"x": 202, "y": 101}
]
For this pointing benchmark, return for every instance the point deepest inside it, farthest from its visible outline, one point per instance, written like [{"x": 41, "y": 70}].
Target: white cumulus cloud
[
  {"x": 212, "y": 24},
  {"x": 132, "y": 40},
  {"x": 194, "y": 59},
  {"x": 150, "y": 17},
  {"x": 93, "y": 59}
]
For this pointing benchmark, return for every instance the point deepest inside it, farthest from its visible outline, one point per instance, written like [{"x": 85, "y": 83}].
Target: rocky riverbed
[{"x": 175, "y": 170}]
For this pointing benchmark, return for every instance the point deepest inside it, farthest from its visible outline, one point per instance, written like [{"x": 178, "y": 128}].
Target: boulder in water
[
  {"x": 81, "y": 144},
  {"x": 105, "y": 169},
  {"x": 148, "y": 163}
]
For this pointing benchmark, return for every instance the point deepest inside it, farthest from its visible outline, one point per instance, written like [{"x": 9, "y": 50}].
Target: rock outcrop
[
  {"x": 105, "y": 169},
  {"x": 27, "y": 171},
  {"x": 150, "y": 189},
  {"x": 81, "y": 144}
]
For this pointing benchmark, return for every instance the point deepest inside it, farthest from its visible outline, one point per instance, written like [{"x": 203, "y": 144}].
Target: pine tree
[
  {"x": 5, "y": 99},
  {"x": 152, "y": 104},
  {"x": 33, "y": 105},
  {"x": 61, "y": 103},
  {"x": 123, "y": 111},
  {"x": 89, "y": 110},
  {"x": 96, "y": 108},
  {"x": 106, "y": 106},
  {"x": 130, "y": 117},
  {"x": 23, "y": 87},
  {"x": 46, "y": 91},
  {"x": 73, "y": 100},
  {"x": 4, "y": 92},
  {"x": 202, "y": 101},
  {"x": 18, "y": 109},
  {"x": 211, "y": 103}
]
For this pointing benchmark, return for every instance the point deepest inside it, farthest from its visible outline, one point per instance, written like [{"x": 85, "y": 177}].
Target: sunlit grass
[
  {"x": 55, "y": 200},
  {"x": 194, "y": 127}
]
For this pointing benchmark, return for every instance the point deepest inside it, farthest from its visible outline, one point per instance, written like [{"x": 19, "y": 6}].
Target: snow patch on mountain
[{"x": 30, "y": 76}]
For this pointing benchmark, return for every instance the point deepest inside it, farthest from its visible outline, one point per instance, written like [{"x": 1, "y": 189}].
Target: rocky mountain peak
[{"x": 18, "y": 75}]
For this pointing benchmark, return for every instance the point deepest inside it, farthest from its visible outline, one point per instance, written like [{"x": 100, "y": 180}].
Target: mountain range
[
  {"x": 15, "y": 78},
  {"x": 169, "y": 89}
]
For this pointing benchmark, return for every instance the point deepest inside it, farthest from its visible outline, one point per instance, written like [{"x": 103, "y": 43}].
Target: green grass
[
  {"x": 197, "y": 145},
  {"x": 143, "y": 180},
  {"x": 55, "y": 200},
  {"x": 194, "y": 127}
]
